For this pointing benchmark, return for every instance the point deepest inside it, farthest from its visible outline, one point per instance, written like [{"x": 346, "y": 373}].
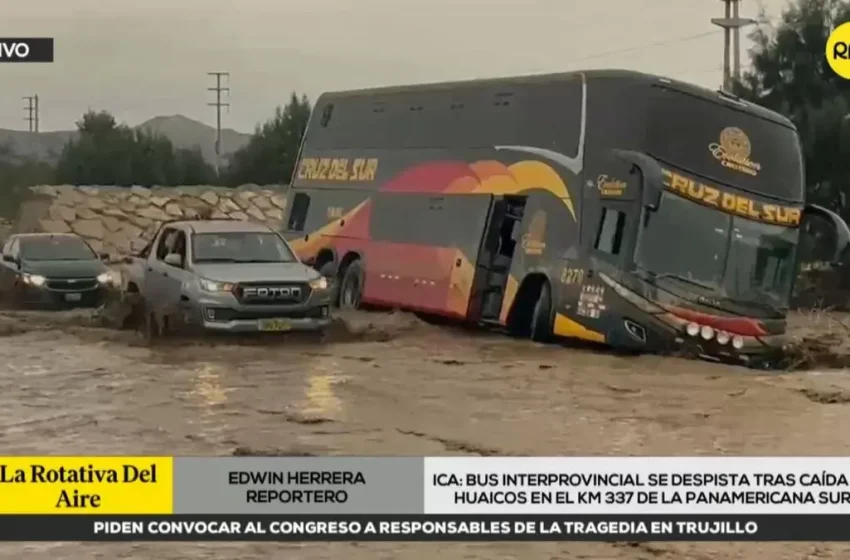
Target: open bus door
[{"x": 500, "y": 241}]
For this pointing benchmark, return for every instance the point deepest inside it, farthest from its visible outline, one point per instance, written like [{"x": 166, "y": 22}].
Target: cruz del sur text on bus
[
  {"x": 338, "y": 169},
  {"x": 730, "y": 202}
]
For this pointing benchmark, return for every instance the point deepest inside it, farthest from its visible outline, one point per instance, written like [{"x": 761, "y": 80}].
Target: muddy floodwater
[{"x": 391, "y": 385}]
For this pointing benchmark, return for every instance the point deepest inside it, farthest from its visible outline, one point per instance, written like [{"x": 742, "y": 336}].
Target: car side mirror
[
  {"x": 104, "y": 256},
  {"x": 173, "y": 259},
  {"x": 836, "y": 223}
]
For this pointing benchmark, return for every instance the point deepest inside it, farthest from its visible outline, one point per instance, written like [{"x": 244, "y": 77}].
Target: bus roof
[{"x": 590, "y": 75}]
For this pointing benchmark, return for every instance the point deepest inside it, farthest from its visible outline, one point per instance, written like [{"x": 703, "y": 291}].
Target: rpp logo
[{"x": 838, "y": 50}]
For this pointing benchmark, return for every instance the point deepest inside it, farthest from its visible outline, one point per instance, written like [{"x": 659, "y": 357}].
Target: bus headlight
[
  {"x": 706, "y": 332},
  {"x": 737, "y": 342},
  {"x": 692, "y": 329},
  {"x": 723, "y": 337}
]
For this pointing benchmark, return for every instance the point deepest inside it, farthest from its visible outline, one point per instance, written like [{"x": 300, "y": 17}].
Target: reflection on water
[
  {"x": 320, "y": 399},
  {"x": 211, "y": 394},
  {"x": 208, "y": 387}
]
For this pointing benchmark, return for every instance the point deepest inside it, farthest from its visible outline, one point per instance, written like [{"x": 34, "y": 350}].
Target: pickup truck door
[
  {"x": 174, "y": 276},
  {"x": 156, "y": 271}
]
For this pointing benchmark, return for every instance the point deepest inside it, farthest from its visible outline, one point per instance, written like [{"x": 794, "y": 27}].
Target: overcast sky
[{"x": 143, "y": 58}]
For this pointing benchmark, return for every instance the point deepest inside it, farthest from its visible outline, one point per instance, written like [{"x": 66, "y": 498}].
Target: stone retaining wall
[{"x": 121, "y": 220}]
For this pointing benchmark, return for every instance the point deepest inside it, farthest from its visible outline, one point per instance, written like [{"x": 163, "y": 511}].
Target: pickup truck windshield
[
  {"x": 240, "y": 247},
  {"x": 56, "y": 249}
]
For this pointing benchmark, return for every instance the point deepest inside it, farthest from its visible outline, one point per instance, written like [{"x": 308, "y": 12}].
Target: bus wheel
[
  {"x": 541, "y": 320},
  {"x": 351, "y": 289}
]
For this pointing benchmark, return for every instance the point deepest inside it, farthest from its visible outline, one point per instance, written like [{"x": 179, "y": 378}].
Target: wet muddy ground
[{"x": 391, "y": 385}]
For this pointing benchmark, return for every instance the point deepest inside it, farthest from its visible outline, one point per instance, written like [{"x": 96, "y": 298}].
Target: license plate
[
  {"x": 275, "y": 325},
  {"x": 73, "y": 297}
]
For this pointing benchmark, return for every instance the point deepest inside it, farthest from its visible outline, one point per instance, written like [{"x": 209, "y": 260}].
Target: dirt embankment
[{"x": 120, "y": 221}]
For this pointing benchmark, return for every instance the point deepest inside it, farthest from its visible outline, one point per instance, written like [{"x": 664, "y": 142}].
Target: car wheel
[
  {"x": 541, "y": 319},
  {"x": 351, "y": 290}
]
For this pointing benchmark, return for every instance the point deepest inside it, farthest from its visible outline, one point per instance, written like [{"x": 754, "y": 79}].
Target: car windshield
[
  {"x": 733, "y": 258},
  {"x": 56, "y": 249},
  {"x": 242, "y": 247}
]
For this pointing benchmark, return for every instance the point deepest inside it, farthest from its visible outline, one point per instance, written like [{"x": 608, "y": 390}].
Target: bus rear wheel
[
  {"x": 541, "y": 319},
  {"x": 351, "y": 288}
]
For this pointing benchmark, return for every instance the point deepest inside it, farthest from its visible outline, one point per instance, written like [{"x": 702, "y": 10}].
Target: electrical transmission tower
[
  {"x": 218, "y": 89},
  {"x": 32, "y": 112},
  {"x": 731, "y": 24}
]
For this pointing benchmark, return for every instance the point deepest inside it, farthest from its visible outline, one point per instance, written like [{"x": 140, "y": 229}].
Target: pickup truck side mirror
[
  {"x": 173, "y": 259},
  {"x": 10, "y": 259}
]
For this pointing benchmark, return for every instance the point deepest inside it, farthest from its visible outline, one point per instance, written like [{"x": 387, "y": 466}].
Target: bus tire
[
  {"x": 351, "y": 287},
  {"x": 541, "y": 319}
]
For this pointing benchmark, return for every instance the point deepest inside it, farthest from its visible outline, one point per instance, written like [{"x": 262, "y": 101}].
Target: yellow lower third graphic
[{"x": 86, "y": 485}]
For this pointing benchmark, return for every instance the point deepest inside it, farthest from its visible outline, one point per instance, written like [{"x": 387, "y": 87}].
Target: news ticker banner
[
  {"x": 430, "y": 485},
  {"x": 417, "y": 528}
]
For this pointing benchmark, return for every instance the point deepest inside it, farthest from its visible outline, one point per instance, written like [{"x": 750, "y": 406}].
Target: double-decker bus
[{"x": 609, "y": 206}]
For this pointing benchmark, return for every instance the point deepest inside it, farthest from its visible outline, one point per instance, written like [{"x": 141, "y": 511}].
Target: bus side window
[
  {"x": 609, "y": 238},
  {"x": 298, "y": 215}
]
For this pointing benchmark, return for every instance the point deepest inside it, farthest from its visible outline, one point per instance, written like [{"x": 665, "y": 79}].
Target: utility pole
[
  {"x": 32, "y": 112},
  {"x": 218, "y": 105},
  {"x": 731, "y": 24}
]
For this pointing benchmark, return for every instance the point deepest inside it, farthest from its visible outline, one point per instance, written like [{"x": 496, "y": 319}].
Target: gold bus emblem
[
  {"x": 733, "y": 151},
  {"x": 532, "y": 241}
]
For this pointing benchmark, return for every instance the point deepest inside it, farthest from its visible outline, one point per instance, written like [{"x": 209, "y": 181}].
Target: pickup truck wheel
[
  {"x": 351, "y": 289},
  {"x": 541, "y": 320}
]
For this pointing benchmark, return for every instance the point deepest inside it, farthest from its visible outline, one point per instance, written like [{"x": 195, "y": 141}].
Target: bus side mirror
[
  {"x": 651, "y": 193},
  {"x": 650, "y": 174},
  {"x": 836, "y": 223}
]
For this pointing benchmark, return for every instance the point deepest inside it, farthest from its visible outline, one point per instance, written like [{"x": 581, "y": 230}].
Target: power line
[
  {"x": 32, "y": 112},
  {"x": 218, "y": 105},
  {"x": 672, "y": 40}
]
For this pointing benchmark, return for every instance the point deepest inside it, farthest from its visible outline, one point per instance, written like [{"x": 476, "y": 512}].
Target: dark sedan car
[{"x": 53, "y": 270}]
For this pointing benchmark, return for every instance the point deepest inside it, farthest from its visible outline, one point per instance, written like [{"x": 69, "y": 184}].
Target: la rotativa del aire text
[
  {"x": 637, "y": 488},
  {"x": 437, "y": 527},
  {"x": 85, "y": 474},
  {"x": 301, "y": 479}
]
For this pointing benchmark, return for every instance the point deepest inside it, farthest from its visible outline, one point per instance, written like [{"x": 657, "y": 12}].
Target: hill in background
[{"x": 182, "y": 131}]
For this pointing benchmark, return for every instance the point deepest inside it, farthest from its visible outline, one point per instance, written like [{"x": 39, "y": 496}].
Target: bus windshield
[
  {"x": 712, "y": 253},
  {"x": 726, "y": 145}
]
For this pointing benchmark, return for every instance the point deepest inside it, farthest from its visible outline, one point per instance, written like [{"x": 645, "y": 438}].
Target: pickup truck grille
[
  {"x": 71, "y": 284},
  {"x": 272, "y": 293},
  {"x": 225, "y": 314}
]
